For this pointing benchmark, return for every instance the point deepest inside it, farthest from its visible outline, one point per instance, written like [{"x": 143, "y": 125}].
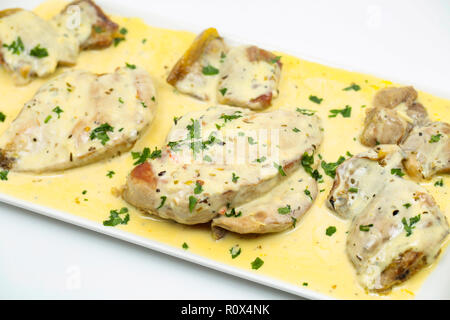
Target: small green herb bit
[
  {"x": 192, "y": 203},
  {"x": 308, "y": 193},
  {"x": 185, "y": 246},
  {"x": 110, "y": 174},
  {"x": 16, "y": 46},
  {"x": 257, "y": 263},
  {"x": 397, "y": 172},
  {"x": 115, "y": 218},
  {"x": 4, "y": 175},
  {"x": 229, "y": 117},
  {"x": 365, "y": 228},
  {"x": 251, "y": 140},
  {"x": 346, "y": 112},
  {"x": 439, "y": 183},
  {"x": 235, "y": 251},
  {"x": 307, "y": 161},
  {"x": 223, "y": 91},
  {"x": 233, "y": 213},
  {"x": 315, "y": 99},
  {"x": 2, "y": 117},
  {"x": 163, "y": 200},
  {"x": 353, "y": 190},
  {"x": 47, "y": 119},
  {"x": 306, "y": 112},
  {"x": 209, "y": 70},
  {"x": 353, "y": 86},
  {"x": 234, "y": 178},
  {"x": 39, "y": 52},
  {"x": 330, "y": 168},
  {"x": 330, "y": 231},
  {"x": 275, "y": 60},
  {"x": 58, "y": 111},
  {"x": 98, "y": 29},
  {"x": 198, "y": 188},
  {"x": 123, "y": 30},
  {"x": 284, "y": 210},
  {"x": 435, "y": 138},
  {"x": 145, "y": 154},
  {"x": 101, "y": 133},
  {"x": 409, "y": 227},
  {"x": 407, "y": 205},
  {"x": 280, "y": 169},
  {"x": 130, "y": 66}
]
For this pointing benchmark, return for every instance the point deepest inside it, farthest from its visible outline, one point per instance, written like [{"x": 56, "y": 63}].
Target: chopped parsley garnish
[
  {"x": 439, "y": 183},
  {"x": 307, "y": 161},
  {"x": 207, "y": 158},
  {"x": 101, "y": 133},
  {"x": 194, "y": 135},
  {"x": 143, "y": 104},
  {"x": 185, "y": 246},
  {"x": 346, "y": 112},
  {"x": 145, "y": 154},
  {"x": 308, "y": 193},
  {"x": 365, "y": 228},
  {"x": 280, "y": 169},
  {"x": 349, "y": 154},
  {"x": 4, "y": 175},
  {"x": 234, "y": 178},
  {"x": 330, "y": 231},
  {"x": 192, "y": 203},
  {"x": 174, "y": 145},
  {"x": 296, "y": 130},
  {"x": 397, "y": 172},
  {"x": 98, "y": 29},
  {"x": 223, "y": 91},
  {"x": 222, "y": 57},
  {"x": 229, "y": 117},
  {"x": 353, "y": 190},
  {"x": 163, "y": 200},
  {"x": 315, "y": 99},
  {"x": 118, "y": 40},
  {"x": 353, "y": 86},
  {"x": 261, "y": 160},
  {"x": 16, "y": 46},
  {"x": 47, "y": 119},
  {"x": 305, "y": 284},
  {"x": 407, "y": 205},
  {"x": 2, "y": 117},
  {"x": 115, "y": 218},
  {"x": 198, "y": 188},
  {"x": 294, "y": 222},
  {"x": 409, "y": 227},
  {"x": 235, "y": 251},
  {"x": 39, "y": 52},
  {"x": 435, "y": 138},
  {"x": 306, "y": 112},
  {"x": 330, "y": 168},
  {"x": 130, "y": 66},
  {"x": 110, "y": 174},
  {"x": 209, "y": 70},
  {"x": 257, "y": 263},
  {"x": 251, "y": 140},
  {"x": 120, "y": 100},
  {"x": 233, "y": 213},
  {"x": 58, "y": 111},
  {"x": 84, "y": 192},
  {"x": 175, "y": 120},
  {"x": 284, "y": 210},
  {"x": 275, "y": 60},
  {"x": 123, "y": 31}
]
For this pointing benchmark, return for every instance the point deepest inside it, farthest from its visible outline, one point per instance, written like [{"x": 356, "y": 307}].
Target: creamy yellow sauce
[{"x": 301, "y": 255}]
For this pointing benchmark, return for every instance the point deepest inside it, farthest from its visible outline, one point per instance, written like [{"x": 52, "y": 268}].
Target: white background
[{"x": 406, "y": 41}]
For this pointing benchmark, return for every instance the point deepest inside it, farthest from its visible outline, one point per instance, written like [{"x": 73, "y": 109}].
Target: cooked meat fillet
[
  {"x": 33, "y": 47},
  {"x": 93, "y": 29},
  {"x": 235, "y": 160},
  {"x": 30, "y": 46},
  {"x": 428, "y": 150},
  {"x": 392, "y": 97},
  {"x": 394, "y": 114},
  {"x": 249, "y": 78},
  {"x": 397, "y": 228},
  {"x": 78, "y": 118},
  {"x": 197, "y": 71}
]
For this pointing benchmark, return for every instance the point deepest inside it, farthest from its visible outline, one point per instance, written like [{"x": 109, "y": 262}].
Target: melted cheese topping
[{"x": 301, "y": 255}]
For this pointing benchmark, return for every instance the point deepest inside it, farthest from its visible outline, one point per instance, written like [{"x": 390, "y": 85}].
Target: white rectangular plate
[{"x": 251, "y": 29}]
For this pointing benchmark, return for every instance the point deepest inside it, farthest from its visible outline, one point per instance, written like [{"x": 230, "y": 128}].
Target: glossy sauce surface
[{"x": 304, "y": 255}]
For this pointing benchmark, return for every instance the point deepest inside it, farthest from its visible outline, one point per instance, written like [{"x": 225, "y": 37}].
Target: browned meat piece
[
  {"x": 392, "y": 97},
  {"x": 386, "y": 125},
  {"x": 196, "y": 73},
  {"x": 428, "y": 150},
  {"x": 96, "y": 30}
]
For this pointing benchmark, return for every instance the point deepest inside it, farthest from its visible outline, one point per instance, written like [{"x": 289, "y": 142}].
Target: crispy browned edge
[
  {"x": 98, "y": 40},
  {"x": 401, "y": 269},
  {"x": 182, "y": 67}
]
